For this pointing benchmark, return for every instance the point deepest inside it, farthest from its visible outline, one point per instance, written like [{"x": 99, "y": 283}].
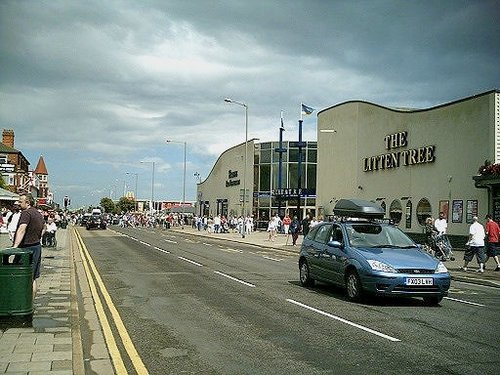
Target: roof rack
[{"x": 359, "y": 209}]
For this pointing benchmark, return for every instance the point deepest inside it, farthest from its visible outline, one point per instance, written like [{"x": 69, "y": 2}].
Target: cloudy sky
[{"x": 97, "y": 86}]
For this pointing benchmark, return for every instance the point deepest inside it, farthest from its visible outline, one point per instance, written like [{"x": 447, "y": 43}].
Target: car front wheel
[
  {"x": 354, "y": 287},
  {"x": 305, "y": 277}
]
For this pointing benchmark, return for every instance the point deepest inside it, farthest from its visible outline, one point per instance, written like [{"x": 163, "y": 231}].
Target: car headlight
[
  {"x": 441, "y": 268},
  {"x": 380, "y": 266}
]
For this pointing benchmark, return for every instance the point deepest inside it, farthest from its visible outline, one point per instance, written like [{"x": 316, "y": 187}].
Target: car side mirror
[{"x": 335, "y": 244}]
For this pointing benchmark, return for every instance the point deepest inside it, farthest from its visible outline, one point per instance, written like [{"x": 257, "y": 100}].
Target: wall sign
[
  {"x": 231, "y": 175},
  {"x": 457, "y": 211},
  {"x": 398, "y": 158},
  {"x": 471, "y": 210},
  {"x": 444, "y": 207}
]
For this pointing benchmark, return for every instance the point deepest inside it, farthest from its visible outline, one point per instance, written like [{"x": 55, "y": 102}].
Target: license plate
[{"x": 419, "y": 281}]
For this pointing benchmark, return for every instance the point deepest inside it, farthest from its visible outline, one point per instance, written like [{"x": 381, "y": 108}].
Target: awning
[{"x": 6, "y": 195}]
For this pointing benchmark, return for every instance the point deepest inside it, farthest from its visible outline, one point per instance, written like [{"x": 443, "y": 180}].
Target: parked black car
[{"x": 96, "y": 222}]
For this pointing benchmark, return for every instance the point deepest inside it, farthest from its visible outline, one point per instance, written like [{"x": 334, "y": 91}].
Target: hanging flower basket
[{"x": 489, "y": 170}]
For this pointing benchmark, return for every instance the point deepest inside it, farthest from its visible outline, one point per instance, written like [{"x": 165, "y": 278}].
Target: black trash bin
[{"x": 16, "y": 282}]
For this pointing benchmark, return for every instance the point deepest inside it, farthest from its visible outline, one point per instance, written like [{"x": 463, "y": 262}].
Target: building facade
[
  {"x": 221, "y": 193},
  {"x": 414, "y": 163},
  {"x": 16, "y": 173},
  {"x": 13, "y": 165}
]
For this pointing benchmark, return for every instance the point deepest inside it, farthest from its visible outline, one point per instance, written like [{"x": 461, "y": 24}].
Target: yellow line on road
[
  {"x": 122, "y": 331},
  {"x": 108, "y": 334}
]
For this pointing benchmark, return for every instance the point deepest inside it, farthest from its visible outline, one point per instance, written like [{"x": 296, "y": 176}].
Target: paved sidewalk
[
  {"x": 45, "y": 345},
  {"x": 260, "y": 238}
]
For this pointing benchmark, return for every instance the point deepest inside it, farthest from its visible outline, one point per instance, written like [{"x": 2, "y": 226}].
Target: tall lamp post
[
  {"x": 184, "y": 177},
  {"x": 228, "y": 100},
  {"x": 135, "y": 192},
  {"x": 152, "y": 183}
]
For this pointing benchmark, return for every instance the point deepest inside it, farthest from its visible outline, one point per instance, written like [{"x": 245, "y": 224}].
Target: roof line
[
  {"x": 412, "y": 110},
  {"x": 220, "y": 156}
]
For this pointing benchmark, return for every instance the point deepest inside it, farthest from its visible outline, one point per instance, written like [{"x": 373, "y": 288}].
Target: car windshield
[{"x": 377, "y": 235}]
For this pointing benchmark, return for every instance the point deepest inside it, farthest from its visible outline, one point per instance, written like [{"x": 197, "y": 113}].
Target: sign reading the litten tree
[{"x": 396, "y": 159}]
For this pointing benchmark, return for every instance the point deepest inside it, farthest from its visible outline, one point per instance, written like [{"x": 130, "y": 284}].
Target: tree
[
  {"x": 125, "y": 204},
  {"x": 3, "y": 185},
  {"x": 108, "y": 205}
]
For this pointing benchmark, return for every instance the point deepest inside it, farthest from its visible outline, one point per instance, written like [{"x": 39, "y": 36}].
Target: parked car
[
  {"x": 96, "y": 222},
  {"x": 366, "y": 254}
]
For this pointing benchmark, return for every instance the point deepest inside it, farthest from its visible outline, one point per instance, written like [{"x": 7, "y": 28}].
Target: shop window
[
  {"x": 265, "y": 177},
  {"x": 312, "y": 155},
  {"x": 265, "y": 145},
  {"x": 311, "y": 176},
  {"x": 292, "y": 175},
  {"x": 396, "y": 211},
  {"x": 293, "y": 155},
  {"x": 265, "y": 156},
  {"x": 275, "y": 172},
  {"x": 424, "y": 210}
]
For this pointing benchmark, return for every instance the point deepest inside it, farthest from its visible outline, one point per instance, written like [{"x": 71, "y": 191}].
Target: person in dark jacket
[
  {"x": 306, "y": 223},
  {"x": 294, "y": 230}
]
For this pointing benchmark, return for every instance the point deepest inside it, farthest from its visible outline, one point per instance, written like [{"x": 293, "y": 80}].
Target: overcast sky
[{"x": 96, "y": 87}]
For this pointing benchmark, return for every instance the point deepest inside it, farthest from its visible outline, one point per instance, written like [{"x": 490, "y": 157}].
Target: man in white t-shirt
[
  {"x": 13, "y": 220},
  {"x": 440, "y": 224},
  {"x": 476, "y": 245}
]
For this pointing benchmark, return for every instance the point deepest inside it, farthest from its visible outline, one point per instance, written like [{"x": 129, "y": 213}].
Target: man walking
[
  {"x": 29, "y": 232},
  {"x": 476, "y": 245},
  {"x": 492, "y": 233}
]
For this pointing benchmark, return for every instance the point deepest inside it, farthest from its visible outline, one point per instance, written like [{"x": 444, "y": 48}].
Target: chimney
[{"x": 8, "y": 137}]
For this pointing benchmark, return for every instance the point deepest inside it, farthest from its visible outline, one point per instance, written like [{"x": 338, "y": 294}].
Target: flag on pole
[
  {"x": 281, "y": 120},
  {"x": 307, "y": 110}
]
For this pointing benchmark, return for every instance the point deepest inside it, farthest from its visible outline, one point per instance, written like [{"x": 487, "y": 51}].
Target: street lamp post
[
  {"x": 152, "y": 184},
  {"x": 228, "y": 100},
  {"x": 184, "y": 177},
  {"x": 135, "y": 192}
]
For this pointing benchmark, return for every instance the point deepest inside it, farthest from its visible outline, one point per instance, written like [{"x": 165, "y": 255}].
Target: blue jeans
[{"x": 36, "y": 251}]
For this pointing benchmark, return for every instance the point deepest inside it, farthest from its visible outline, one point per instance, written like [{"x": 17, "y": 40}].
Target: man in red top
[
  {"x": 492, "y": 235},
  {"x": 286, "y": 223}
]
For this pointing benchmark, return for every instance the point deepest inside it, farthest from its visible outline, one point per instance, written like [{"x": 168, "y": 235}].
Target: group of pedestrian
[
  {"x": 27, "y": 226},
  {"x": 290, "y": 226},
  {"x": 221, "y": 224},
  {"x": 479, "y": 238}
]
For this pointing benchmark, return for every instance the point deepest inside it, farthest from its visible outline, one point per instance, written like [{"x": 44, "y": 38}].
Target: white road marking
[
  {"x": 345, "y": 321},
  {"x": 228, "y": 249},
  {"x": 273, "y": 259},
  {"x": 235, "y": 279},
  {"x": 466, "y": 302},
  {"x": 191, "y": 261},
  {"x": 163, "y": 251},
  {"x": 170, "y": 241},
  {"x": 145, "y": 243}
]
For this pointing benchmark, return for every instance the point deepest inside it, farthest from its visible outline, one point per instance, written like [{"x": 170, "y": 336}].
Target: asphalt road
[{"x": 204, "y": 306}]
